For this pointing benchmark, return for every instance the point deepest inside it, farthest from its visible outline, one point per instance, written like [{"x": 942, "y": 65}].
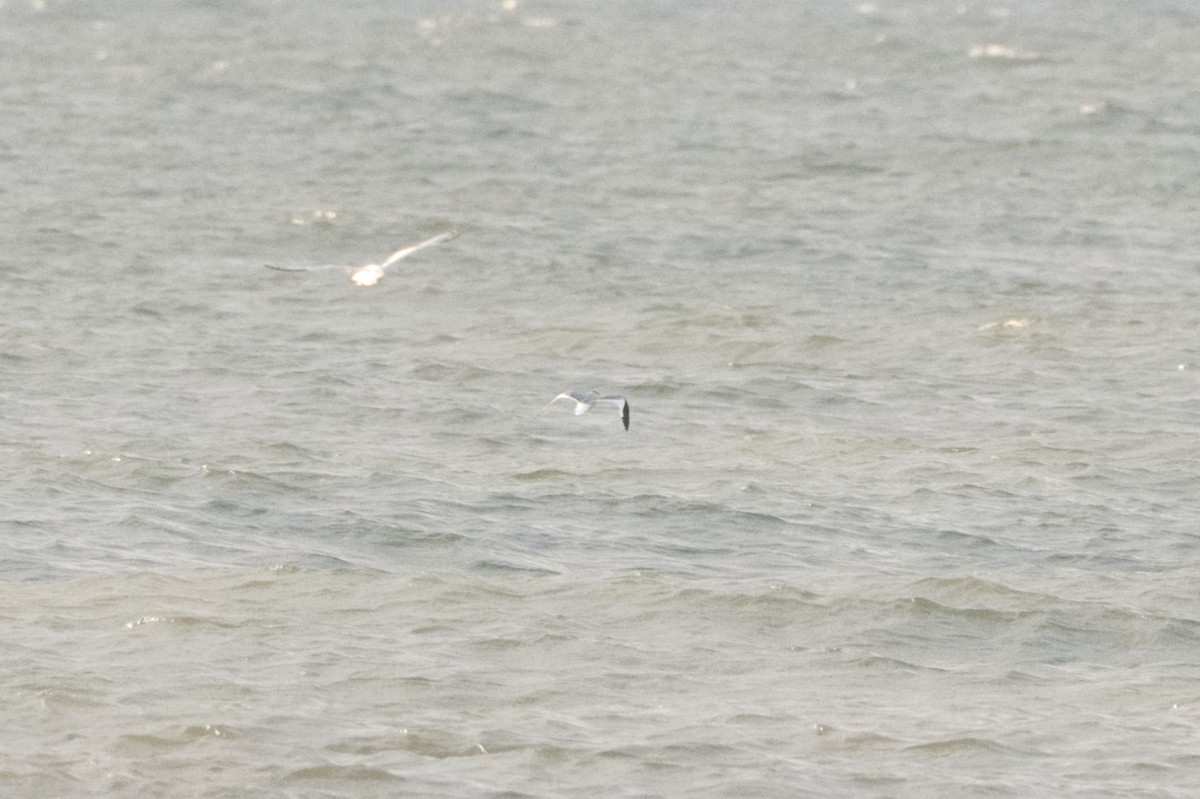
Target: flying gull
[
  {"x": 584, "y": 402},
  {"x": 371, "y": 274}
]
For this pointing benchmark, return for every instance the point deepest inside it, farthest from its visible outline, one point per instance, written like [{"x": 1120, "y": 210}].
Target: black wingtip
[{"x": 625, "y": 416}]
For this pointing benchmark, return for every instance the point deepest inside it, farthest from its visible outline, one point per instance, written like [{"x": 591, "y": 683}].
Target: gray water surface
[{"x": 904, "y": 299}]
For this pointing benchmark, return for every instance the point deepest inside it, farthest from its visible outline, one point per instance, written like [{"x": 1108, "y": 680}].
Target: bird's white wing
[
  {"x": 404, "y": 252},
  {"x": 619, "y": 403},
  {"x": 564, "y": 395},
  {"x": 306, "y": 268}
]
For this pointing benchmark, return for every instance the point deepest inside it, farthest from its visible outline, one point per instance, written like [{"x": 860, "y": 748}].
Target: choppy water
[{"x": 904, "y": 297}]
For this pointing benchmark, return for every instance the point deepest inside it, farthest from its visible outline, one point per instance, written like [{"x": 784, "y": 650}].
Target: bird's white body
[{"x": 367, "y": 275}]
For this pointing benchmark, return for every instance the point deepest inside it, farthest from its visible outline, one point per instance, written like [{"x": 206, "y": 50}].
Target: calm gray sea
[{"x": 904, "y": 297}]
